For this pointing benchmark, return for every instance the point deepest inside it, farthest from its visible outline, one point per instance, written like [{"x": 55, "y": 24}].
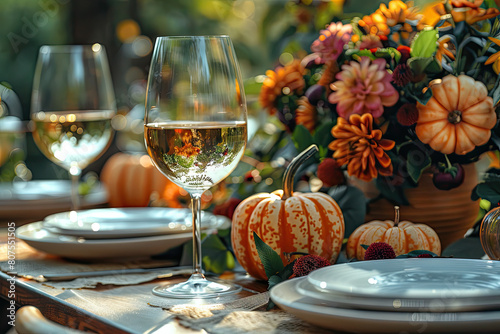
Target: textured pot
[{"x": 449, "y": 212}]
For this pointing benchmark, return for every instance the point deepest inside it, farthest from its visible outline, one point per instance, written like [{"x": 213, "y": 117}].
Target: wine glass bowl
[
  {"x": 195, "y": 130},
  {"x": 72, "y": 105}
]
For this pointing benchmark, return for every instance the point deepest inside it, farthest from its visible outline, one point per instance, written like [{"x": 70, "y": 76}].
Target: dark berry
[
  {"x": 307, "y": 263},
  {"x": 425, "y": 256},
  {"x": 330, "y": 173},
  {"x": 450, "y": 178},
  {"x": 379, "y": 251}
]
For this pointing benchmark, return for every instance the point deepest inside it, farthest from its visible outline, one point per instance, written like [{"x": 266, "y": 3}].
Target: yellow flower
[{"x": 494, "y": 58}]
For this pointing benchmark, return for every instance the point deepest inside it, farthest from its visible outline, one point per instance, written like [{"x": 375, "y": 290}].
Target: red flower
[
  {"x": 307, "y": 263},
  {"x": 330, "y": 173},
  {"x": 408, "y": 114},
  {"x": 380, "y": 251}
]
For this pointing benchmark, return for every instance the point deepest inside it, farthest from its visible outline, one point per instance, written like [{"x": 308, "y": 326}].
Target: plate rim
[
  {"x": 405, "y": 304},
  {"x": 51, "y": 222},
  {"x": 372, "y": 265},
  {"x": 354, "y": 320},
  {"x": 159, "y": 242}
]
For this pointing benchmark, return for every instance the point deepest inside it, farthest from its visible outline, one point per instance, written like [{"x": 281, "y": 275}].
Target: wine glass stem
[
  {"x": 75, "y": 173},
  {"x": 197, "y": 258}
]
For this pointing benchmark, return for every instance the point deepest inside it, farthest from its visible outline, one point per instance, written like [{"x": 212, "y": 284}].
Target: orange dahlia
[
  {"x": 464, "y": 10},
  {"x": 361, "y": 147},
  {"x": 284, "y": 80},
  {"x": 305, "y": 114},
  {"x": 396, "y": 12}
]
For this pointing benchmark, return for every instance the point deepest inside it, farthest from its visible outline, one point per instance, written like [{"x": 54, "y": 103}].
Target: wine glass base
[{"x": 196, "y": 287}]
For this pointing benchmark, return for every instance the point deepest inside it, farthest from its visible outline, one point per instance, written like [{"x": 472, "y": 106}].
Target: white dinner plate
[
  {"x": 128, "y": 222},
  {"x": 34, "y": 200},
  {"x": 344, "y": 300},
  {"x": 83, "y": 249},
  {"x": 328, "y": 315},
  {"x": 40, "y": 190},
  {"x": 418, "y": 278}
]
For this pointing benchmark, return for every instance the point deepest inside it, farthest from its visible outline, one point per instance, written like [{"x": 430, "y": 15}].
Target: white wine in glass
[
  {"x": 72, "y": 106},
  {"x": 195, "y": 131}
]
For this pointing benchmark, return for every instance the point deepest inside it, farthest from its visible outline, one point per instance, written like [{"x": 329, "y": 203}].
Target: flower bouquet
[{"x": 395, "y": 95}]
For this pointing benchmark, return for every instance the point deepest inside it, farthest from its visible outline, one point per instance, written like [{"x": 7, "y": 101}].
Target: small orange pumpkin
[
  {"x": 132, "y": 179},
  {"x": 288, "y": 222},
  {"x": 403, "y": 236},
  {"x": 458, "y": 117}
]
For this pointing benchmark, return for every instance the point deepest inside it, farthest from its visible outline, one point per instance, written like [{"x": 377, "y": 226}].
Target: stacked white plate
[
  {"x": 114, "y": 232},
  {"x": 429, "y": 295},
  {"x": 33, "y": 200}
]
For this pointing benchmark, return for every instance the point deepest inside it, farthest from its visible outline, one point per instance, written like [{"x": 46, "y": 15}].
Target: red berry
[
  {"x": 380, "y": 251},
  {"x": 424, "y": 255},
  {"x": 329, "y": 173},
  {"x": 450, "y": 178},
  {"x": 307, "y": 263}
]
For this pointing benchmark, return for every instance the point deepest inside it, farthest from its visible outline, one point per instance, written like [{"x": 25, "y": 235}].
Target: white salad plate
[
  {"x": 34, "y": 200},
  {"x": 106, "y": 223},
  {"x": 35, "y": 235},
  {"x": 345, "y": 300},
  {"x": 418, "y": 278},
  {"x": 322, "y": 313}
]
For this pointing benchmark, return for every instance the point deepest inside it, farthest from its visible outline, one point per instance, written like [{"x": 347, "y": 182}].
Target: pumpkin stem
[
  {"x": 455, "y": 117},
  {"x": 396, "y": 218},
  {"x": 291, "y": 169}
]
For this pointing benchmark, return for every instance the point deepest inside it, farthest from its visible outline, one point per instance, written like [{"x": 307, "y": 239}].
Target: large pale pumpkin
[
  {"x": 132, "y": 179},
  {"x": 403, "y": 236},
  {"x": 458, "y": 117},
  {"x": 288, "y": 222}
]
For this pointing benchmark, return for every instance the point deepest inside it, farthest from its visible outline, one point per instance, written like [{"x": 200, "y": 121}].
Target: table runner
[
  {"x": 30, "y": 263},
  {"x": 233, "y": 314}
]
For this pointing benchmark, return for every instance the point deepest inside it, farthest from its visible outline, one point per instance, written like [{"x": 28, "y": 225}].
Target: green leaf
[
  {"x": 216, "y": 257},
  {"x": 252, "y": 86},
  {"x": 393, "y": 193},
  {"x": 323, "y": 134},
  {"x": 417, "y": 161},
  {"x": 422, "y": 65},
  {"x": 424, "y": 44},
  {"x": 416, "y": 253},
  {"x": 273, "y": 280},
  {"x": 270, "y": 259},
  {"x": 287, "y": 271},
  {"x": 352, "y": 202},
  {"x": 489, "y": 191},
  {"x": 302, "y": 138}
]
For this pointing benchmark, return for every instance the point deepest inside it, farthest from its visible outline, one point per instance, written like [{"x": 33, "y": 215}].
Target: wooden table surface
[{"x": 107, "y": 309}]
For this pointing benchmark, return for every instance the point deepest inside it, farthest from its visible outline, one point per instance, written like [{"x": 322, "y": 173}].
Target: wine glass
[
  {"x": 72, "y": 105},
  {"x": 195, "y": 130}
]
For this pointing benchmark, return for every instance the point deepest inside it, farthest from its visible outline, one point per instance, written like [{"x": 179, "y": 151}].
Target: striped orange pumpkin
[
  {"x": 403, "y": 236},
  {"x": 288, "y": 222}
]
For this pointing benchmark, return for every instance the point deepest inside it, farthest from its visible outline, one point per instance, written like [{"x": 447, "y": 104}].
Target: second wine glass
[
  {"x": 72, "y": 106},
  {"x": 195, "y": 130}
]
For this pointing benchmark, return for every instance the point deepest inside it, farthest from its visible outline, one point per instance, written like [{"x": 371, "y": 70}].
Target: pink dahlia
[
  {"x": 331, "y": 41},
  {"x": 363, "y": 87}
]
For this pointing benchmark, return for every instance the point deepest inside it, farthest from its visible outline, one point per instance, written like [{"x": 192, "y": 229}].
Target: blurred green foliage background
[{"x": 262, "y": 32}]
